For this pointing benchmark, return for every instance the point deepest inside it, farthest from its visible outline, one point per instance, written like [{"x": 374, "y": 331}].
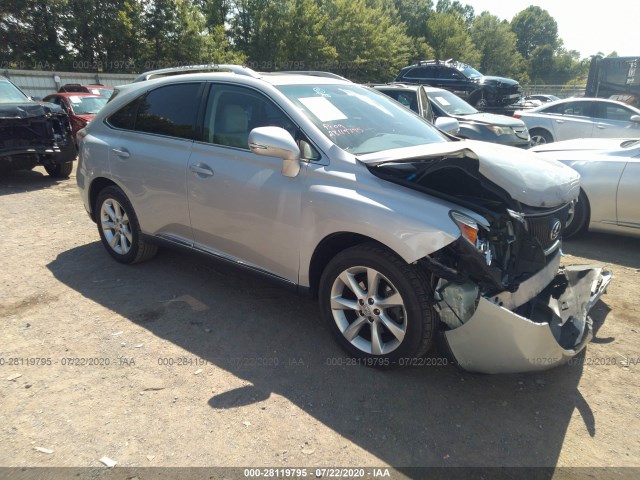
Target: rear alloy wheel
[
  {"x": 59, "y": 170},
  {"x": 540, "y": 137},
  {"x": 119, "y": 229},
  {"x": 377, "y": 305},
  {"x": 481, "y": 103}
]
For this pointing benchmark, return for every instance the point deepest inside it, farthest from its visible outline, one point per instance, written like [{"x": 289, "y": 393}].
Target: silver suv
[{"x": 332, "y": 188}]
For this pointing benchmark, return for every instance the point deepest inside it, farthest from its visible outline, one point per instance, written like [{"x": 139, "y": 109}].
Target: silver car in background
[
  {"x": 609, "y": 170},
  {"x": 335, "y": 189},
  {"x": 580, "y": 118}
]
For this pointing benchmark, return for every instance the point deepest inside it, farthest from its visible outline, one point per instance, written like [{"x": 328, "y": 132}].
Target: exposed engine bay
[{"x": 503, "y": 273}]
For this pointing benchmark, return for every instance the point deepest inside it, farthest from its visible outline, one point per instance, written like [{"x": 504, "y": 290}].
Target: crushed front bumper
[{"x": 542, "y": 328}]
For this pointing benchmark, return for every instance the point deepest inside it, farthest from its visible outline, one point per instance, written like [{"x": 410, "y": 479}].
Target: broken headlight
[{"x": 474, "y": 233}]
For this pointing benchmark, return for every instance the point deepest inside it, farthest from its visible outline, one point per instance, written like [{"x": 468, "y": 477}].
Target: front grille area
[{"x": 545, "y": 228}]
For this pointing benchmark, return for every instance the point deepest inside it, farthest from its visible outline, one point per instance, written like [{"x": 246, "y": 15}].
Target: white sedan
[
  {"x": 609, "y": 171},
  {"x": 580, "y": 118}
]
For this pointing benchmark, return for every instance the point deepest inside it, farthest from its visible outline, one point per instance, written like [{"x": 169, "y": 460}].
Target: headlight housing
[
  {"x": 500, "y": 130},
  {"x": 477, "y": 235}
]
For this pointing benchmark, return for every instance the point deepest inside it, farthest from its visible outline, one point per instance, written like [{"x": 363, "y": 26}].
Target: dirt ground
[{"x": 181, "y": 362}]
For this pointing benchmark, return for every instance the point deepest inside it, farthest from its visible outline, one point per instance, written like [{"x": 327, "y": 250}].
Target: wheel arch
[
  {"x": 328, "y": 248},
  {"x": 97, "y": 185},
  {"x": 543, "y": 130}
]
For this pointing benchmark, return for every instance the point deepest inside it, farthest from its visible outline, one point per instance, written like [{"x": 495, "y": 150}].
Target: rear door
[
  {"x": 149, "y": 156},
  {"x": 572, "y": 120}
]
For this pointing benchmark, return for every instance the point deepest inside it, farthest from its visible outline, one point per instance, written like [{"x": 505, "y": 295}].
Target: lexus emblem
[{"x": 555, "y": 230}]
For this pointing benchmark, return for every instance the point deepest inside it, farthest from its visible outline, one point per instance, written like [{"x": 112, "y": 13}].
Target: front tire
[
  {"x": 540, "y": 137},
  {"x": 119, "y": 228},
  {"x": 377, "y": 306},
  {"x": 578, "y": 220}
]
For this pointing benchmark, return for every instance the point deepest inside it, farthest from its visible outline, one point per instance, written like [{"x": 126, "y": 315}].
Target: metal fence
[
  {"x": 41, "y": 83},
  {"x": 562, "y": 91}
]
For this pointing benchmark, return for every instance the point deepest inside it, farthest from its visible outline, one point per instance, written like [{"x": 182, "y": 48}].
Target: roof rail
[
  {"x": 165, "y": 72},
  {"x": 314, "y": 73}
]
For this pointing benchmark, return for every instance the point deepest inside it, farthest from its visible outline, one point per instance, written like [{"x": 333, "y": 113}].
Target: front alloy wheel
[
  {"x": 376, "y": 305},
  {"x": 368, "y": 310}
]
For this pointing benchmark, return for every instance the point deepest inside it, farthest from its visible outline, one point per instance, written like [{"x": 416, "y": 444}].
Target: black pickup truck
[{"x": 33, "y": 133}]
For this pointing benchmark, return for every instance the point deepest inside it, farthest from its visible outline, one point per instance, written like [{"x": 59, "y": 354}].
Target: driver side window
[{"x": 233, "y": 111}]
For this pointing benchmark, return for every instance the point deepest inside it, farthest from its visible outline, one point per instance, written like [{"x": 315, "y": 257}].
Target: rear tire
[
  {"x": 377, "y": 306},
  {"x": 59, "y": 170},
  {"x": 119, "y": 228}
]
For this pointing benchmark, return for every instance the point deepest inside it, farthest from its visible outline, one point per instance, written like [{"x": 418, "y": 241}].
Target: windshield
[
  {"x": 360, "y": 120},
  {"x": 470, "y": 72},
  {"x": 451, "y": 103},
  {"x": 9, "y": 93},
  {"x": 87, "y": 105}
]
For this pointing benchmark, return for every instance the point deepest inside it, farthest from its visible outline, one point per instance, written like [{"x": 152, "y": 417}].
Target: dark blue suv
[{"x": 479, "y": 90}]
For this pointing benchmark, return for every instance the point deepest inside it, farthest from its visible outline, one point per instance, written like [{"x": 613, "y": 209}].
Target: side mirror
[
  {"x": 276, "y": 142},
  {"x": 448, "y": 125},
  {"x": 635, "y": 118}
]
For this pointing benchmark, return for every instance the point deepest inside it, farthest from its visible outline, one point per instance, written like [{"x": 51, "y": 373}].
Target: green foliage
[
  {"x": 370, "y": 40},
  {"x": 449, "y": 37},
  {"x": 534, "y": 28},
  {"x": 496, "y": 43},
  {"x": 365, "y": 40}
]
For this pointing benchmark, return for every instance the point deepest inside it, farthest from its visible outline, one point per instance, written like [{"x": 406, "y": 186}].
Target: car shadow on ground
[
  {"x": 597, "y": 246},
  {"x": 19, "y": 181},
  {"x": 434, "y": 415}
]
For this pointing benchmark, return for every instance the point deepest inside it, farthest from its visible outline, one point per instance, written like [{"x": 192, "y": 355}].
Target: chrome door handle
[
  {"x": 600, "y": 126},
  {"x": 121, "y": 152},
  {"x": 202, "y": 170},
  {"x": 559, "y": 121}
]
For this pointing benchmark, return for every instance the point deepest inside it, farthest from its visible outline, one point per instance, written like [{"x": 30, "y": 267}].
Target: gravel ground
[{"x": 181, "y": 362}]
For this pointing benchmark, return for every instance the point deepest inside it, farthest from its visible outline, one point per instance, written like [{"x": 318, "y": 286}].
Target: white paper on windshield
[
  {"x": 323, "y": 109},
  {"x": 96, "y": 91},
  {"x": 75, "y": 99},
  {"x": 442, "y": 101}
]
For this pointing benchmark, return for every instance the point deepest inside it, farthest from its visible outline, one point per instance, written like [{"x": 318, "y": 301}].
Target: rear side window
[
  {"x": 422, "y": 72},
  {"x": 169, "y": 110}
]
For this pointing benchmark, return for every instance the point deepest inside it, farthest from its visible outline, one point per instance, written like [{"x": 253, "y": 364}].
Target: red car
[
  {"x": 81, "y": 107},
  {"x": 97, "y": 89}
]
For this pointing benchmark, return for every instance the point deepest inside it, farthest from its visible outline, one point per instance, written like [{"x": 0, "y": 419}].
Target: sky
[{"x": 586, "y": 26}]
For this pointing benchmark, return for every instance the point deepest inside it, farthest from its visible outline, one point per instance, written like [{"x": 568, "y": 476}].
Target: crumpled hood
[
  {"x": 491, "y": 119},
  {"x": 28, "y": 110},
  {"x": 527, "y": 178},
  {"x": 502, "y": 80}
]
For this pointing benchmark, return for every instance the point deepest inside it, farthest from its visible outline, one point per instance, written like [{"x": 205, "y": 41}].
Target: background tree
[
  {"x": 465, "y": 11},
  {"x": 449, "y": 38},
  {"x": 304, "y": 43},
  {"x": 496, "y": 43},
  {"x": 369, "y": 39},
  {"x": 534, "y": 28}
]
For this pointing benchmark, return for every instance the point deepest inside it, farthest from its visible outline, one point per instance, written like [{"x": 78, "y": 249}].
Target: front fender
[{"x": 410, "y": 223}]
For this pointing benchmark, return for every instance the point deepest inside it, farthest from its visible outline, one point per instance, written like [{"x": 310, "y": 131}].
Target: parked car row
[{"x": 44, "y": 132}]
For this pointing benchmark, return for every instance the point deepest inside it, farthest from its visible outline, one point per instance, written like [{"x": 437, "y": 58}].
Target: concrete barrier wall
[{"x": 42, "y": 83}]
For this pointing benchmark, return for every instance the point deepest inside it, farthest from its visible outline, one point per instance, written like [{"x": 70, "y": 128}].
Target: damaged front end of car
[
  {"x": 33, "y": 134},
  {"x": 504, "y": 301}
]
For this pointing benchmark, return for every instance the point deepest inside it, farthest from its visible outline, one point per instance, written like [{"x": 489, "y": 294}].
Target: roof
[{"x": 73, "y": 94}]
